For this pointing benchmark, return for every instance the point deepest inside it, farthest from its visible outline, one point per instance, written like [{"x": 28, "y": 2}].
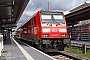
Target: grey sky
[{"x": 35, "y": 5}]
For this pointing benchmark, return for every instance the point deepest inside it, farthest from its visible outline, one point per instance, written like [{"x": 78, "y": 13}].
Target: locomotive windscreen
[{"x": 52, "y": 17}]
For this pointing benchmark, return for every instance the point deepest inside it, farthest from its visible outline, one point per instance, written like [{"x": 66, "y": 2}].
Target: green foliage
[{"x": 77, "y": 52}]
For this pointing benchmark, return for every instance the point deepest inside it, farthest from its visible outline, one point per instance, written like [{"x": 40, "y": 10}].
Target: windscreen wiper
[{"x": 53, "y": 19}]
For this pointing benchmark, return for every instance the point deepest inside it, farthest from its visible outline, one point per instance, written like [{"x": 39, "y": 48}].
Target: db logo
[{"x": 54, "y": 30}]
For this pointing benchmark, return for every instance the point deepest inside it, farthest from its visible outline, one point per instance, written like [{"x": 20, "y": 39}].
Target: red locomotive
[{"x": 47, "y": 30}]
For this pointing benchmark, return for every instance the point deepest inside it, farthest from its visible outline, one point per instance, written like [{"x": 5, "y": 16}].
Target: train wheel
[
  {"x": 42, "y": 47},
  {"x": 61, "y": 48},
  {"x": 33, "y": 44}
]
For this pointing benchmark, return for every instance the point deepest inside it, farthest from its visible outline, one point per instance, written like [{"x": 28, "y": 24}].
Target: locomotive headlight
[
  {"x": 62, "y": 30},
  {"x": 63, "y": 34},
  {"x": 45, "y": 30},
  {"x": 45, "y": 35}
]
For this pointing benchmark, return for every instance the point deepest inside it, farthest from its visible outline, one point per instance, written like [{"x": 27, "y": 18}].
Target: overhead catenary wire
[
  {"x": 43, "y": 3},
  {"x": 53, "y": 5},
  {"x": 39, "y": 6},
  {"x": 68, "y": 9},
  {"x": 29, "y": 6},
  {"x": 59, "y": 5},
  {"x": 27, "y": 17}
]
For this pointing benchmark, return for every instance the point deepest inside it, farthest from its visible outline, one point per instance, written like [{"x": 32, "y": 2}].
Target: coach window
[
  {"x": 31, "y": 22},
  {"x": 34, "y": 20},
  {"x": 27, "y": 29}
]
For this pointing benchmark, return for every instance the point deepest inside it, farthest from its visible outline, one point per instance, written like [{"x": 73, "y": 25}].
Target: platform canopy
[
  {"x": 11, "y": 11},
  {"x": 78, "y": 14}
]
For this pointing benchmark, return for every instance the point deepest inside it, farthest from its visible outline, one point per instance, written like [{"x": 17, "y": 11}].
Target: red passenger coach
[
  {"x": 80, "y": 32},
  {"x": 47, "y": 30}
]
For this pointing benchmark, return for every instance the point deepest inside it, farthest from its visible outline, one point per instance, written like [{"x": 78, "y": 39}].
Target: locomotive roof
[{"x": 51, "y": 10}]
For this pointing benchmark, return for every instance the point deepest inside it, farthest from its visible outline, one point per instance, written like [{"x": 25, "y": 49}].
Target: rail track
[{"x": 62, "y": 56}]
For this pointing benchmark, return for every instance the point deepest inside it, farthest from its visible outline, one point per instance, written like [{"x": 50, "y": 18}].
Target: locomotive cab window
[{"x": 52, "y": 17}]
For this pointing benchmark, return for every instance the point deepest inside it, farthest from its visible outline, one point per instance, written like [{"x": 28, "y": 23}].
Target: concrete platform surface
[{"x": 16, "y": 50}]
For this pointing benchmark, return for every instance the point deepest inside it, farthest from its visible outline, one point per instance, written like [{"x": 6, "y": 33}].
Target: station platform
[
  {"x": 81, "y": 41},
  {"x": 16, "y": 50}
]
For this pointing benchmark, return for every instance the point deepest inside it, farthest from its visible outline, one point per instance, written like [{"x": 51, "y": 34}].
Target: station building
[
  {"x": 81, "y": 30},
  {"x": 81, "y": 6}
]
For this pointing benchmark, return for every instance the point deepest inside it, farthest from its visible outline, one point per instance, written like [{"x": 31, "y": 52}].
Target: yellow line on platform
[{"x": 28, "y": 57}]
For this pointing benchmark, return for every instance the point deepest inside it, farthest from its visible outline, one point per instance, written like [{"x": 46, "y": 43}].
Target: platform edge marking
[
  {"x": 39, "y": 51},
  {"x": 28, "y": 57}
]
